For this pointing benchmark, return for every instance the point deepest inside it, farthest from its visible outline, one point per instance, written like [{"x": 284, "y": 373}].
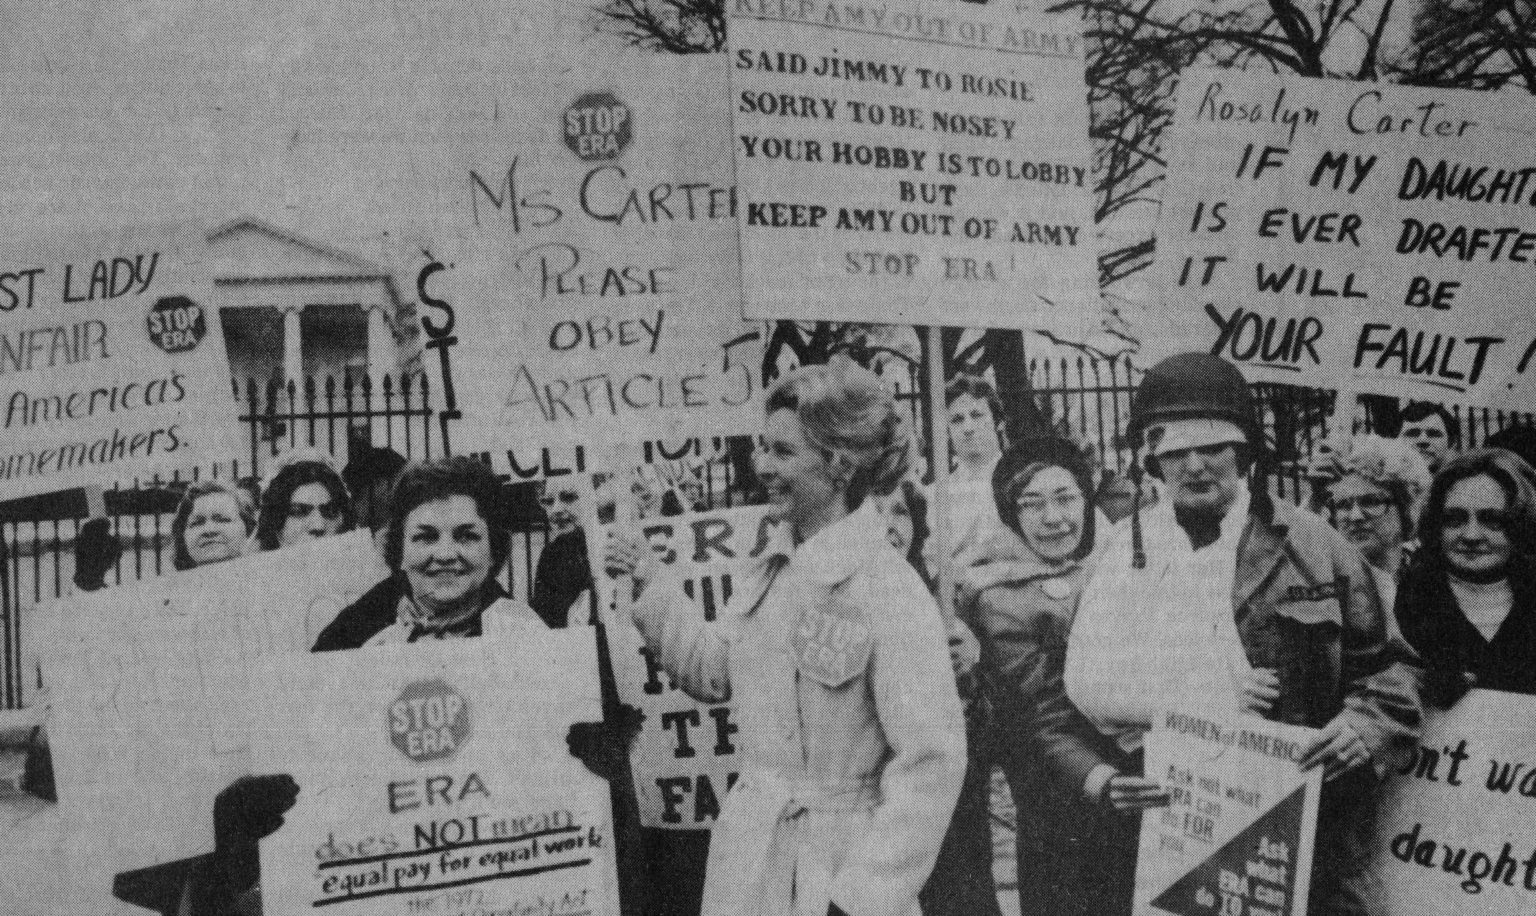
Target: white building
[{"x": 294, "y": 308}]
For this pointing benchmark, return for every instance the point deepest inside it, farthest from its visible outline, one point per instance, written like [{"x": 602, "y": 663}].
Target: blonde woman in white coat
[{"x": 836, "y": 661}]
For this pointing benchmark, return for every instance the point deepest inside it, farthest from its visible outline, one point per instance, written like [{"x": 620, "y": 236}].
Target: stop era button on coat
[{"x": 853, "y": 747}]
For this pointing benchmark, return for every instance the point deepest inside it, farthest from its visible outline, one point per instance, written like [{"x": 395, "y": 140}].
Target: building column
[
  {"x": 382, "y": 358},
  {"x": 293, "y": 345}
]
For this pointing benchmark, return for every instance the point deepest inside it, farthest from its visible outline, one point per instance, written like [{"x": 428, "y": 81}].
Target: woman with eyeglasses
[
  {"x": 1468, "y": 600},
  {"x": 1373, "y": 487},
  {"x": 1075, "y": 793},
  {"x": 834, "y": 657},
  {"x": 304, "y": 500}
]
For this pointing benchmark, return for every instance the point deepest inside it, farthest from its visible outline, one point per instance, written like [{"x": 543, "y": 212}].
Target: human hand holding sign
[
  {"x": 246, "y": 810},
  {"x": 602, "y": 747},
  {"x": 1338, "y": 747},
  {"x": 626, "y": 555},
  {"x": 1128, "y": 794},
  {"x": 1258, "y": 690}
]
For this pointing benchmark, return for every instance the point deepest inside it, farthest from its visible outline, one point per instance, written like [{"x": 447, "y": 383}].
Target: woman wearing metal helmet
[
  {"x": 835, "y": 657},
  {"x": 1248, "y": 604}
]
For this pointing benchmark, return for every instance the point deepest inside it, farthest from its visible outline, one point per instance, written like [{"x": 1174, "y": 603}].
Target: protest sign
[
  {"x": 1454, "y": 832},
  {"x": 685, "y": 757},
  {"x": 151, "y": 691},
  {"x": 434, "y": 778},
  {"x": 1237, "y": 838},
  {"x": 112, "y": 360},
  {"x": 927, "y": 164},
  {"x": 592, "y": 268},
  {"x": 1366, "y": 237}
]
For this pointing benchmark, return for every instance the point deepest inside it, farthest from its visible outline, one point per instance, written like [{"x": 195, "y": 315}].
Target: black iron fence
[
  {"x": 362, "y": 422},
  {"x": 358, "y": 421}
]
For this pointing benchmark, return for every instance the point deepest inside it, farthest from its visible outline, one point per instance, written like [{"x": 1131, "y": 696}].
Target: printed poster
[
  {"x": 685, "y": 759},
  {"x": 434, "y": 778},
  {"x": 1237, "y": 838},
  {"x": 1361, "y": 236},
  {"x": 1454, "y": 828},
  {"x": 924, "y": 163},
  {"x": 112, "y": 362}
]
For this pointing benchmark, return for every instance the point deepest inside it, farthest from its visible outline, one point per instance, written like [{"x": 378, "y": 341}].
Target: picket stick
[{"x": 938, "y": 434}]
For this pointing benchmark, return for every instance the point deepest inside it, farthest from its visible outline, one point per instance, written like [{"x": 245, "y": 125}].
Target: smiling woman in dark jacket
[{"x": 1076, "y": 851}]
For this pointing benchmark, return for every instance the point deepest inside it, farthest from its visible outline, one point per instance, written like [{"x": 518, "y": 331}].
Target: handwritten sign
[
  {"x": 112, "y": 361},
  {"x": 1237, "y": 837},
  {"x": 435, "y": 778},
  {"x": 685, "y": 757},
  {"x": 152, "y": 693},
  {"x": 1454, "y": 830},
  {"x": 1377, "y": 236},
  {"x": 594, "y": 271},
  {"x": 920, "y": 164}
]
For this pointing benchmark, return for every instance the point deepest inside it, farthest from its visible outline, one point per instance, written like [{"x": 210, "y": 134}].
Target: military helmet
[{"x": 1192, "y": 385}]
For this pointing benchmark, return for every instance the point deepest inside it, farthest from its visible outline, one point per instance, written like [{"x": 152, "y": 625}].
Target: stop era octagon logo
[
  {"x": 176, "y": 324},
  {"x": 429, "y": 720},
  {"x": 598, "y": 126}
]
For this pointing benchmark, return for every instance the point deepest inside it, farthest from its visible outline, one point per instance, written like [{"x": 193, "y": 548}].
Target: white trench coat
[{"x": 852, "y": 740}]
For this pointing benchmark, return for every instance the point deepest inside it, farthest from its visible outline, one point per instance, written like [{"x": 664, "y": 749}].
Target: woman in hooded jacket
[{"x": 1075, "y": 840}]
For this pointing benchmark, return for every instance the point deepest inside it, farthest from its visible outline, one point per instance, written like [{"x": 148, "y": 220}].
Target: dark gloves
[
  {"x": 37, "y": 771},
  {"x": 248, "y": 809},
  {"x": 96, "y": 552},
  {"x": 603, "y": 747},
  {"x": 834, "y": 910},
  {"x": 1444, "y": 686}
]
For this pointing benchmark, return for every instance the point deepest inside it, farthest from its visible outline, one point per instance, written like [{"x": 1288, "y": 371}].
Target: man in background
[{"x": 1432, "y": 430}]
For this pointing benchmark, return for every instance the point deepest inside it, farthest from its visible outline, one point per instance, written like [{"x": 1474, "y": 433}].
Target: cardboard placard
[
  {"x": 434, "y": 778},
  {"x": 685, "y": 759},
  {"x": 922, "y": 164},
  {"x": 112, "y": 360},
  {"x": 1361, "y": 236},
  {"x": 594, "y": 274},
  {"x": 152, "y": 693},
  {"x": 1238, "y": 836},
  {"x": 1454, "y": 832}
]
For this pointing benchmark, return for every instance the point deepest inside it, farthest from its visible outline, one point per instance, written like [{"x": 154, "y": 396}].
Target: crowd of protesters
[{"x": 1077, "y": 607}]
